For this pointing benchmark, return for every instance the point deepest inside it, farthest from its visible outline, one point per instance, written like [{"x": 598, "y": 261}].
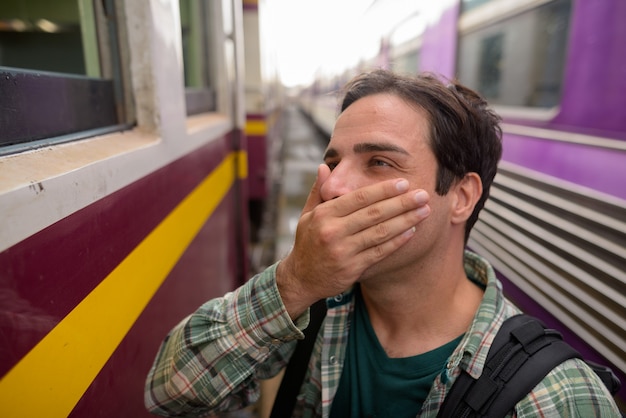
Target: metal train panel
[
  {"x": 256, "y": 135},
  {"x": 576, "y": 162},
  {"x": 208, "y": 268},
  {"x": 554, "y": 226},
  {"x": 263, "y": 104},
  {"x": 593, "y": 98},
  {"x": 89, "y": 298},
  {"x": 110, "y": 239}
]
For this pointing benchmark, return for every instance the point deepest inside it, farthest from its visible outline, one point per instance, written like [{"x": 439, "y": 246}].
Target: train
[
  {"x": 554, "y": 226},
  {"x": 137, "y": 141},
  {"x": 133, "y": 158}
]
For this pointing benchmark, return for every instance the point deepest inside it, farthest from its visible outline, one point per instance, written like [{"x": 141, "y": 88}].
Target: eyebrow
[{"x": 365, "y": 147}]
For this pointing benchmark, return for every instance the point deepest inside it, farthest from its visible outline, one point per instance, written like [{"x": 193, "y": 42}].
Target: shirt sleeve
[
  {"x": 212, "y": 361},
  {"x": 572, "y": 389}
]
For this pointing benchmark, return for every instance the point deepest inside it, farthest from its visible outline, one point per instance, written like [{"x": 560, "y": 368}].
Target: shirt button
[
  {"x": 264, "y": 350},
  {"x": 275, "y": 341},
  {"x": 338, "y": 298},
  {"x": 332, "y": 360}
]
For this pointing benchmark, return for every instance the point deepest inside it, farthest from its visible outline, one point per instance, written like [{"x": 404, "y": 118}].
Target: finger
[
  {"x": 377, "y": 213},
  {"x": 390, "y": 229},
  {"x": 365, "y": 196},
  {"x": 314, "y": 197},
  {"x": 375, "y": 253}
]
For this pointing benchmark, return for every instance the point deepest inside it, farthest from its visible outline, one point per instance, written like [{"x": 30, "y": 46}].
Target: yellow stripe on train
[
  {"x": 242, "y": 164},
  {"x": 256, "y": 127},
  {"x": 50, "y": 380}
]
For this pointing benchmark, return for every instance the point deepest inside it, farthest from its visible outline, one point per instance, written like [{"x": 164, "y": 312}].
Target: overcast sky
[{"x": 329, "y": 35}]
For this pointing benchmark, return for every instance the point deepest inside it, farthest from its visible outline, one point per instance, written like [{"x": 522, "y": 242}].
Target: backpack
[{"x": 524, "y": 350}]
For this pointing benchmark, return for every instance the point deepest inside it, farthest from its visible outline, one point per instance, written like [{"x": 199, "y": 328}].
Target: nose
[{"x": 341, "y": 180}]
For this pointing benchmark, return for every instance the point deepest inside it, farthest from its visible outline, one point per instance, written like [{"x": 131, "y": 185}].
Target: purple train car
[{"x": 555, "y": 225}]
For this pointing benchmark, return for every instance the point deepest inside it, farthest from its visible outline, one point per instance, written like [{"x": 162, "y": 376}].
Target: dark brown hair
[{"x": 465, "y": 134}]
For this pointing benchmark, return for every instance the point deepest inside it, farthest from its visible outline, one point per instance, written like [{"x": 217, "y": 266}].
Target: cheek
[
  {"x": 439, "y": 216},
  {"x": 421, "y": 180}
]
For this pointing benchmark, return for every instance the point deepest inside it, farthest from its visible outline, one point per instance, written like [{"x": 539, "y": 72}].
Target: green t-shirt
[{"x": 374, "y": 385}]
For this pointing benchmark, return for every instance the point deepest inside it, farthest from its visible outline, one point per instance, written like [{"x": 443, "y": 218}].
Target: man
[{"x": 382, "y": 236}]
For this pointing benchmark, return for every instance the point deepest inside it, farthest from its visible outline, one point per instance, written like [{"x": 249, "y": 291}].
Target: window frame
[
  {"x": 49, "y": 108},
  {"x": 494, "y": 12}
]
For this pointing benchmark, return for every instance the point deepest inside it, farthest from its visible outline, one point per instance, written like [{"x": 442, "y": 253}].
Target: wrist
[{"x": 294, "y": 298}]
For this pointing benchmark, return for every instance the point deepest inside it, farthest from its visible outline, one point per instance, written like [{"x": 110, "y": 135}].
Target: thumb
[{"x": 315, "y": 197}]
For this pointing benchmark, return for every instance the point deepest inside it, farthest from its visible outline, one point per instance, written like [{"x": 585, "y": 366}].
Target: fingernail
[
  {"x": 421, "y": 197},
  {"x": 402, "y": 185},
  {"x": 423, "y": 210},
  {"x": 409, "y": 232}
]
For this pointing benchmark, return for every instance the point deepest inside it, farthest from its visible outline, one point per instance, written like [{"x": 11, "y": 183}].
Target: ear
[{"x": 467, "y": 192}]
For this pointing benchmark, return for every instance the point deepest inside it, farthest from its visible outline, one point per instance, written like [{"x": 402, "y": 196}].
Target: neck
[{"x": 415, "y": 314}]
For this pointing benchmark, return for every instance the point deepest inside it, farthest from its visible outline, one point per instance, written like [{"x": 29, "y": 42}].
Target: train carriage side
[
  {"x": 107, "y": 241},
  {"x": 555, "y": 224},
  {"x": 263, "y": 107}
]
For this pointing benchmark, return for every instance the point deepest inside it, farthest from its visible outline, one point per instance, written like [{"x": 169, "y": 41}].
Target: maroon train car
[{"x": 123, "y": 192}]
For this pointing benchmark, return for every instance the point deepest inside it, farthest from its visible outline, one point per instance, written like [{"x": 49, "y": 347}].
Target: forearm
[{"x": 212, "y": 360}]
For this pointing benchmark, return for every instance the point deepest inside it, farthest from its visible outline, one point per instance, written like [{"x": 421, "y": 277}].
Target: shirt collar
[{"x": 471, "y": 353}]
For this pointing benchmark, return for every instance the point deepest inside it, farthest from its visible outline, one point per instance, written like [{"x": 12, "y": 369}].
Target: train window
[
  {"x": 407, "y": 62},
  {"x": 489, "y": 75},
  {"x": 55, "y": 75},
  {"x": 405, "y": 42},
  {"x": 467, "y": 5},
  {"x": 515, "y": 59},
  {"x": 199, "y": 96}
]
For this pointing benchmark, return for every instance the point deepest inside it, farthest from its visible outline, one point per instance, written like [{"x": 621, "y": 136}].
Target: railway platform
[{"x": 299, "y": 152}]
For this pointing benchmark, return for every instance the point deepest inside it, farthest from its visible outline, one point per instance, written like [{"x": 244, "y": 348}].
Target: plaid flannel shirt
[{"x": 213, "y": 360}]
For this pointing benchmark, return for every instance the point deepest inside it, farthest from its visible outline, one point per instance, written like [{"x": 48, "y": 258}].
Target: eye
[
  {"x": 377, "y": 162},
  {"x": 331, "y": 165}
]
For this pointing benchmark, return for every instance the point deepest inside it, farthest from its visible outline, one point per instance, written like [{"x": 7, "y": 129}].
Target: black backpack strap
[
  {"x": 608, "y": 377},
  {"x": 296, "y": 368},
  {"x": 523, "y": 350}
]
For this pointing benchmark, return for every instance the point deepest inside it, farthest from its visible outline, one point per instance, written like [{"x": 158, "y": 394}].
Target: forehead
[{"x": 382, "y": 117}]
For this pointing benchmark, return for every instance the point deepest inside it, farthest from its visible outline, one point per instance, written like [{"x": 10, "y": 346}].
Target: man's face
[{"x": 381, "y": 137}]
